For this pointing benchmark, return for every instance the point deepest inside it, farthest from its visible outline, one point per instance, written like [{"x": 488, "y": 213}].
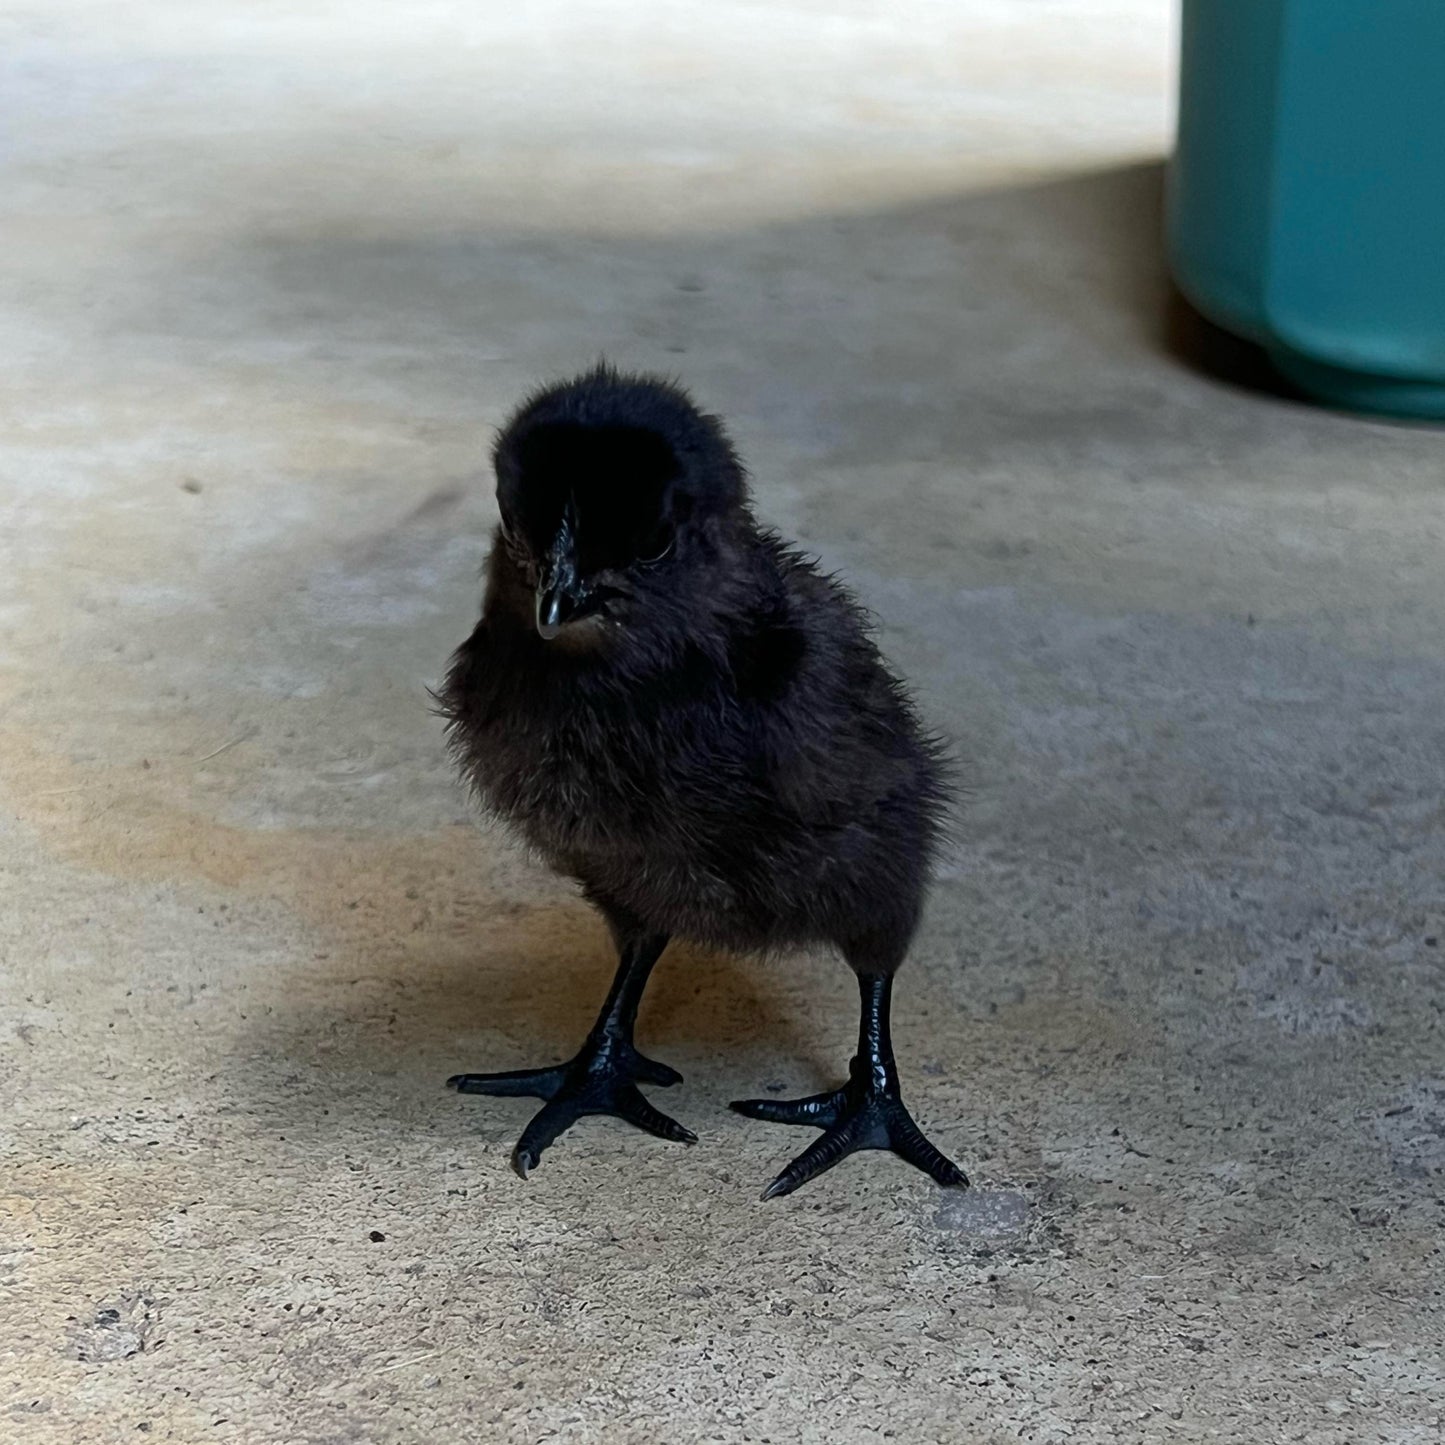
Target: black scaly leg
[
  {"x": 603, "y": 1077},
  {"x": 866, "y": 1113}
]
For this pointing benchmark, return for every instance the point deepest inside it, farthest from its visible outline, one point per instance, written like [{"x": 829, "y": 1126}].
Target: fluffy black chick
[{"x": 678, "y": 710}]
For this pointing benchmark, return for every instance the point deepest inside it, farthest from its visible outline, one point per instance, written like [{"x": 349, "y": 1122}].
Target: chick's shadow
[{"x": 501, "y": 985}]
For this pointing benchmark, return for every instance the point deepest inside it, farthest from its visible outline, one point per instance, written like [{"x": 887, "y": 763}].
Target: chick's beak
[{"x": 559, "y": 594}]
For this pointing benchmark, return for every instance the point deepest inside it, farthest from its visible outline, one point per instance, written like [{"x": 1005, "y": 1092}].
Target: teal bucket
[{"x": 1306, "y": 203}]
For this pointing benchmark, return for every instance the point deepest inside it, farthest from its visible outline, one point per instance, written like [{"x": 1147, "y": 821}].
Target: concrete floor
[{"x": 271, "y": 274}]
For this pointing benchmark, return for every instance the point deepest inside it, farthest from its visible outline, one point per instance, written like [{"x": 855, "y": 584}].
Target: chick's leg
[
  {"x": 865, "y": 1113},
  {"x": 603, "y": 1077}
]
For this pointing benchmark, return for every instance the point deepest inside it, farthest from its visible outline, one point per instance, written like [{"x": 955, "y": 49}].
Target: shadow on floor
[
  {"x": 952, "y": 329},
  {"x": 389, "y": 1010},
  {"x": 1219, "y": 354}
]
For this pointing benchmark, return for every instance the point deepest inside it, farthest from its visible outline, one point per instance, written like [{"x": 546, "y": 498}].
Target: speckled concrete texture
[{"x": 271, "y": 274}]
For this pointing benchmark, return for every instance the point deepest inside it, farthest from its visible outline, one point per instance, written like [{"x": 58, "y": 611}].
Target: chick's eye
[{"x": 660, "y": 549}]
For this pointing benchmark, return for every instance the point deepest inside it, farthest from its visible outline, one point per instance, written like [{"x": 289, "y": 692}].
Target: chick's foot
[
  {"x": 866, "y": 1113},
  {"x": 601, "y": 1079}
]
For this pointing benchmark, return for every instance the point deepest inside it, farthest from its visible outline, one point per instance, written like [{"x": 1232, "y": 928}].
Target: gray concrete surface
[{"x": 271, "y": 272}]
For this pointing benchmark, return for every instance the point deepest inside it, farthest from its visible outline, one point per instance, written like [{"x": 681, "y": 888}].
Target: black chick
[{"x": 677, "y": 709}]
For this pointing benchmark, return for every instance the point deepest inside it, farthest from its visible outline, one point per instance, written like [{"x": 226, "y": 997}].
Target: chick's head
[{"x": 611, "y": 490}]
